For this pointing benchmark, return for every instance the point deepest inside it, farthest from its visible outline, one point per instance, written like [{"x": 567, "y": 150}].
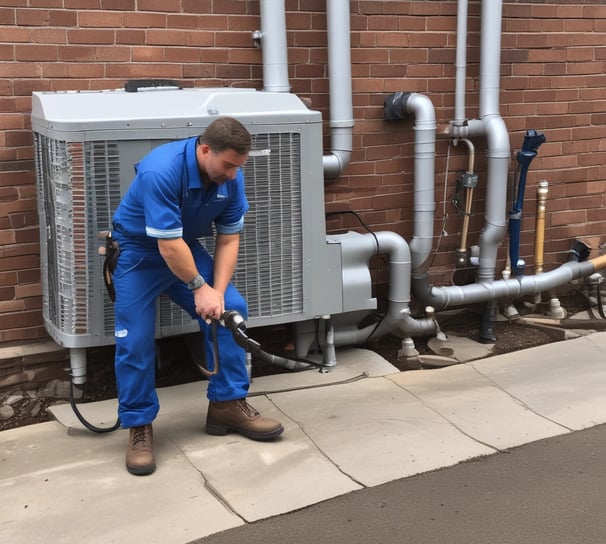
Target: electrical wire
[
  {"x": 444, "y": 212},
  {"x": 86, "y": 423},
  {"x": 357, "y": 216},
  {"x": 353, "y": 379}
]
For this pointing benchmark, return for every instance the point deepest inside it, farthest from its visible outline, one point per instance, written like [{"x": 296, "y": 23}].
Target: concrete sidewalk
[{"x": 359, "y": 426}]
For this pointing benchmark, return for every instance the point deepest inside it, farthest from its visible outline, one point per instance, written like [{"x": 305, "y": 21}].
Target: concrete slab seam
[
  {"x": 442, "y": 416},
  {"x": 206, "y": 483},
  {"x": 519, "y": 401},
  {"x": 313, "y": 442}
]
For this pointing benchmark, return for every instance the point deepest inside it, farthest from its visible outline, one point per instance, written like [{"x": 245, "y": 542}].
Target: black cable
[
  {"x": 236, "y": 324},
  {"x": 377, "y": 325},
  {"x": 84, "y": 422},
  {"x": 254, "y": 348},
  {"x": 356, "y": 215}
]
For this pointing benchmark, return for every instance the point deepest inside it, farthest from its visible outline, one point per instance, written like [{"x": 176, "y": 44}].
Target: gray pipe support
[
  {"x": 339, "y": 75},
  {"x": 273, "y": 46}
]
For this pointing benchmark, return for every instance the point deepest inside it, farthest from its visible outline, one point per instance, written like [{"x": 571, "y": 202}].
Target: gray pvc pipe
[
  {"x": 400, "y": 264},
  {"x": 424, "y": 193},
  {"x": 445, "y": 297},
  {"x": 275, "y": 73},
  {"x": 498, "y": 152},
  {"x": 492, "y": 126},
  {"x": 461, "y": 63},
  {"x": 339, "y": 74},
  {"x": 273, "y": 46}
]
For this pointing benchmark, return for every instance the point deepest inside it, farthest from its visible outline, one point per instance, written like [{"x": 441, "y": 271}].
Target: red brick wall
[{"x": 553, "y": 80}]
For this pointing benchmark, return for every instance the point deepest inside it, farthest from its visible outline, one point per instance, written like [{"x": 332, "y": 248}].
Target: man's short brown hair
[{"x": 227, "y": 133}]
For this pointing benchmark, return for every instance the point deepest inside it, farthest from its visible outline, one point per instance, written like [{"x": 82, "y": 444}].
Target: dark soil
[{"x": 177, "y": 365}]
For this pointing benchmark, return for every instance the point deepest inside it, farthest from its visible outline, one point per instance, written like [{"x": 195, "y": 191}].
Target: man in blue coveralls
[{"x": 180, "y": 189}]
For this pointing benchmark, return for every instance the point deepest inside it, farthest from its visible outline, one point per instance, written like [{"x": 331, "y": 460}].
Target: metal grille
[
  {"x": 269, "y": 273},
  {"x": 79, "y": 189},
  {"x": 103, "y": 197},
  {"x": 270, "y": 266},
  {"x": 54, "y": 182}
]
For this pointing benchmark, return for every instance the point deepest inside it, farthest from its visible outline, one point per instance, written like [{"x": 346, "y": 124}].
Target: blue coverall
[{"x": 167, "y": 199}]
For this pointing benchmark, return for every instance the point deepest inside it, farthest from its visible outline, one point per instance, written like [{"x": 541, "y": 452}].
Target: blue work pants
[{"x": 140, "y": 277}]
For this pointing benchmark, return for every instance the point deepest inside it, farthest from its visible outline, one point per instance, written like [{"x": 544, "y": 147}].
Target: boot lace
[
  {"x": 139, "y": 435},
  {"x": 247, "y": 408}
]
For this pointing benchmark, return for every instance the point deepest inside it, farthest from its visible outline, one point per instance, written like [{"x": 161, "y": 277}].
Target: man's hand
[{"x": 209, "y": 303}]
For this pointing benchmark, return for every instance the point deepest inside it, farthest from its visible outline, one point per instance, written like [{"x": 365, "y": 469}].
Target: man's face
[{"x": 222, "y": 166}]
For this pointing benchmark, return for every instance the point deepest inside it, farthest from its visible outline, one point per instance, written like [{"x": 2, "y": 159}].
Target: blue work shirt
[{"x": 167, "y": 199}]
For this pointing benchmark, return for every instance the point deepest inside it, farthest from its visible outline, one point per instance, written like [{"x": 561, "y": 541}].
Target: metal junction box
[{"x": 86, "y": 145}]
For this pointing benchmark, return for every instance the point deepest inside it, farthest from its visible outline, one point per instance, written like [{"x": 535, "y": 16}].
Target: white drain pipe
[
  {"x": 339, "y": 77},
  {"x": 275, "y": 73},
  {"x": 499, "y": 151},
  {"x": 273, "y": 46},
  {"x": 461, "y": 63},
  {"x": 492, "y": 127}
]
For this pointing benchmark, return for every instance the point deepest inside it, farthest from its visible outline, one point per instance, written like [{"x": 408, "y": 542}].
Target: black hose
[
  {"x": 84, "y": 422},
  {"x": 236, "y": 324}
]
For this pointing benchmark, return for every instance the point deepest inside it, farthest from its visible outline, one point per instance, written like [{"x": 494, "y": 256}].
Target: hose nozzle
[{"x": 233, "y": 320}]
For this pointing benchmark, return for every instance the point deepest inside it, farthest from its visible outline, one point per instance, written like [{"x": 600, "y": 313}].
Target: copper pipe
[
  {"x": 467, "y": 214},
  {"x": 468, "y": 194},
  {"x": 539, "y": 240},
  {"x": 599, "y": 262}
]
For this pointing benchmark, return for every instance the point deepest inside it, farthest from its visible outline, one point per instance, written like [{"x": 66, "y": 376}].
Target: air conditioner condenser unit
[{"x": 86, "y": 145}]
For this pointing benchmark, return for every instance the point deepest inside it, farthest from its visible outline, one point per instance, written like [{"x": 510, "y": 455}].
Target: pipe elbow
[
  {"x": 399, "y": 105},
  {"x": 423, "y": 110},
  {"x": 394, "y": 245},
  {"x": 334, "y": 163},
  {"x": 497, "y": 137}
]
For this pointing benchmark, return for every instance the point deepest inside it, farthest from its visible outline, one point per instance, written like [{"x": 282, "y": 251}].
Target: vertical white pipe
[
  {"x": 77, "y": 361},
  {"x": 273, "y": 46},
  {"x": 275, "y": 73},
  {"x": 339, "y": 73},
  {"x": 425, "y": 155},
  {"x": 498, "y": 151},
  {"x": 461, "y": 63}
]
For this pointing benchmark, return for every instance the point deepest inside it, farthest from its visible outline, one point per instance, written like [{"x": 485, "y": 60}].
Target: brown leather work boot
[
  {"x": 240, "y": 417},
  {"x": 140, "y": 454}
]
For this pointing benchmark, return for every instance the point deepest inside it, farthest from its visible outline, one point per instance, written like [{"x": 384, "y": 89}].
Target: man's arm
[
  {"x": 226, "y": 257},
  {"x": 208, "y": 300},
  {"x": 178, "y": 257}
]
